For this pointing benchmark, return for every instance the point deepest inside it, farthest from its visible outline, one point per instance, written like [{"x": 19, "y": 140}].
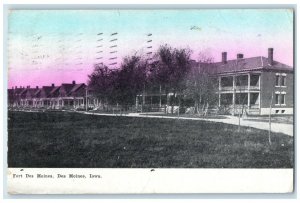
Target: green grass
[{"x": 63, "y": 139}]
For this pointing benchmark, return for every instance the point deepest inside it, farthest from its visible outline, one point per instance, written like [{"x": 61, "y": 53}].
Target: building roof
[
  {"x": 55, "y": 89},
  {"x": 23, "y": 91},
  {"x": 31, "y": 92},
  {"x": 48, "y": 89},
  {"x": 45, "y": 89},
  {"x": 244, "y": 64},
  {"x": 67, "y": 87},
  {"x": 37, "y": 92},
  {"x": 76, "y": 87},
  {"x": 17, "y": 90}
]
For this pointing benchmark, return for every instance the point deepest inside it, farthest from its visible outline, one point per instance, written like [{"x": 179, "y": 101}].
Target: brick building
[
  {"x": 245, "y": 85},
  {"x": 253, "y": 84}
]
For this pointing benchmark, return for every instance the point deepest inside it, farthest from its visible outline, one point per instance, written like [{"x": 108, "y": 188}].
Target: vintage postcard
[{"x": 150, "y": 101}]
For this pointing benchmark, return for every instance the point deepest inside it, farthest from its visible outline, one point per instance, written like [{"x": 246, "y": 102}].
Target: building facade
[
  {"x": 253, "y": 85},
  {"x": 65, "y": 96}
]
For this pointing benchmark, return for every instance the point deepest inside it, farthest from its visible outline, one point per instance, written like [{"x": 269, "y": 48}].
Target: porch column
[
  {"x": 249, "y": 90},
  {"x": 143, "y": 102},
  {"x": 233, "y": 95},
  {"x": 159, "y": 95},
  {"x": 219, "y": 93},
  {"x": 259, "y": 81},
  {"x": 136, "y": 102},
  {"x": 259, "y": 103},
  {"x": 259, "y": 97}
]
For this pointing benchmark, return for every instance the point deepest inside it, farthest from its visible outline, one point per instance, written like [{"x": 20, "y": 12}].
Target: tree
[
  {"x": 121, "y": 86},
  {"x": 101, "y": 81},
  {"x": 239, "y": 65},
  {"x": 131, "y": 79},
  {"x": 170, "y": 70},
  {"x": 201, "y": 86}
]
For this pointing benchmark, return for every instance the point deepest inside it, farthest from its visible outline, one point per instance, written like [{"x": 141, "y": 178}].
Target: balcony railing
[{"x": 242, "y": 88}]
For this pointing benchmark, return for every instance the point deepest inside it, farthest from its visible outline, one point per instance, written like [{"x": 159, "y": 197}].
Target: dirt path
[{"x": 275, "y": 127}]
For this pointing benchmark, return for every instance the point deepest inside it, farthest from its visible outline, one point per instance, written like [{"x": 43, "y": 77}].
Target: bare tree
[
  {"x": 238, "y": 65},
  {"x": 171, "y": 68},
  {"x": 201, "y": 86}
]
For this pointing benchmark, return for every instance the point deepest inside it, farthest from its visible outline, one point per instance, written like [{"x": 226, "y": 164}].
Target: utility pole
[
  {"x": 86, "y": 98},
  {"x": 270, "y": 112},
  {"x": 148, "y": 64}
]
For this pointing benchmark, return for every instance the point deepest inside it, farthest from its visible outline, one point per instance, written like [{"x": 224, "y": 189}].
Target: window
[
  {"x": 282, "y": 111},
  {"x": 280, "y": 80},
  {"x": 277, "y": 80},
  {"x": 277, "y": 111},
  {"x": 277, "y": 98},
  {"x": 283, "y": 80},
  {"x": 282, "y": 101}
]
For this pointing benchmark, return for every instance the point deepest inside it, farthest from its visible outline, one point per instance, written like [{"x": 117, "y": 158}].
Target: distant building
[{"x": 68, "y": 95}]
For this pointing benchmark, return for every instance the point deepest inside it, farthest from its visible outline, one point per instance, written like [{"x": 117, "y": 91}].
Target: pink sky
[{"x": 48, "y": 47}]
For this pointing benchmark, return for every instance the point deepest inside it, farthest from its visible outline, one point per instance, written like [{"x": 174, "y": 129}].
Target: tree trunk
[{"x": 178, "y": 106}]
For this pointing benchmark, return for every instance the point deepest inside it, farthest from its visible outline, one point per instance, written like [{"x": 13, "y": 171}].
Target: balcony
[
  {"x": 240, "y": 88},
  {"x": 228, "y": 88},
  {"x": 240, "y": 83}
]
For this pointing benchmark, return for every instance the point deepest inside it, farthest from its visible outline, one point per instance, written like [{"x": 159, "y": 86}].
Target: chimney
[
  {"x": 239, "y": 56},
  {"x": 28, "y": 86},
  {"x": 224, "y": 57},
  {"x": 52, "y": 85},
  {"x": 16, "y": 87},
  {"x": 37, "y": 87},
  {"x": 73, "y": 82},
  {"x": 270, "y": 56}
]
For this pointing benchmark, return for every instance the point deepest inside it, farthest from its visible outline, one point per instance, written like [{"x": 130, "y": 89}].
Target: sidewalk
[{"x": 275, "y": 127}]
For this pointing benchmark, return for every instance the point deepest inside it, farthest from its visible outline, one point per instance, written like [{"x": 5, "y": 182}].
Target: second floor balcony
[{"x": 239, "y": 82}]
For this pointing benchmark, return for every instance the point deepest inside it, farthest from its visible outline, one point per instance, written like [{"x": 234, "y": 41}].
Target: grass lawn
[{"x": 63, "y": 139}]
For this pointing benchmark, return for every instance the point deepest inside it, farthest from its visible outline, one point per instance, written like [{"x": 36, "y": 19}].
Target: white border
[
  {"x": 150, "y": 181},
  {"x": 138, "y": 2}
]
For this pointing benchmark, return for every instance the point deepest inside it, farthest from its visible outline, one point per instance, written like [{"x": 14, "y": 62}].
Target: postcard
[{"x": 149, "y": 101}]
